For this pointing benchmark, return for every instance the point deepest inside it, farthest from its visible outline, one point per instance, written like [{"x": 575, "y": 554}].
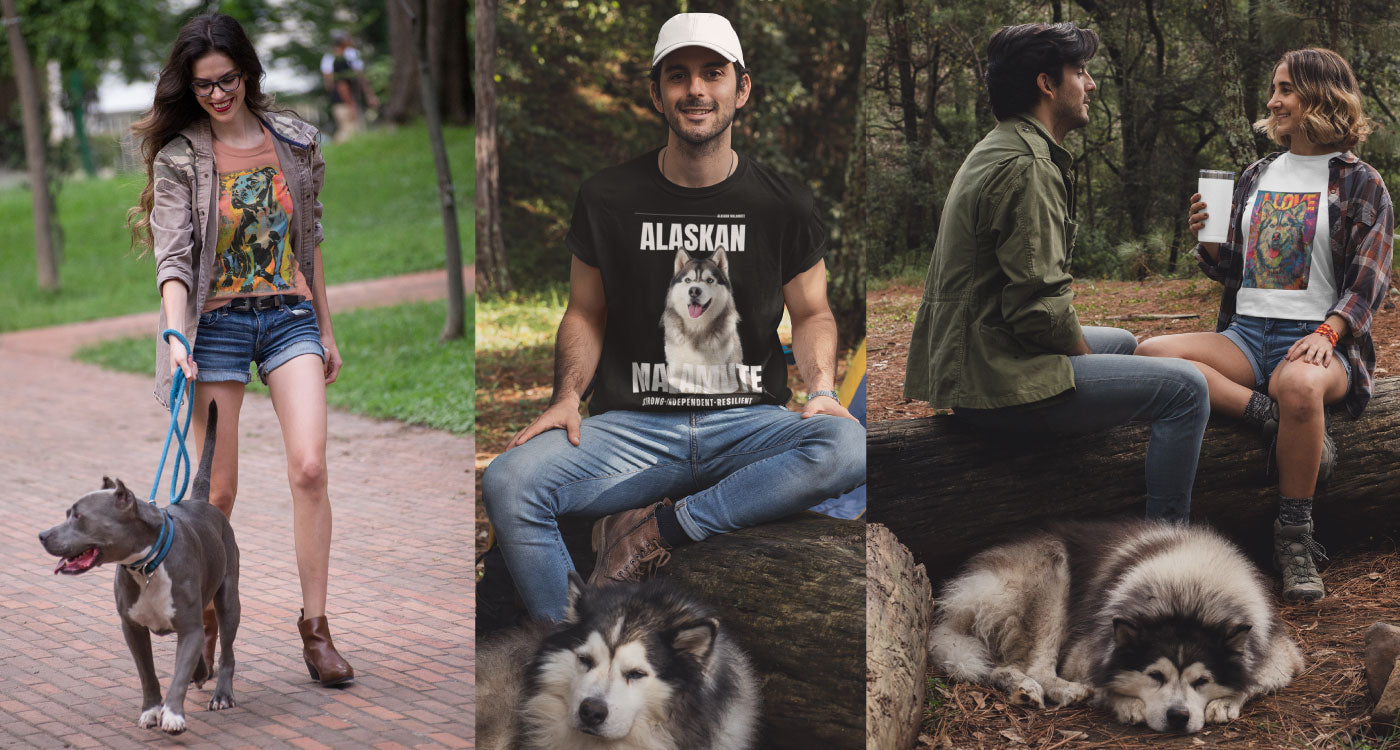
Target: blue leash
[{"x": 180, "y": 390}]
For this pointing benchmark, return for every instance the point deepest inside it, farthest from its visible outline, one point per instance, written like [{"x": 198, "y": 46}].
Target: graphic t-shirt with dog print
[
  {"x": 252, "y": 257},
  {"x": 693, "y": 279},
  {"x": 1288, "y": 254}
]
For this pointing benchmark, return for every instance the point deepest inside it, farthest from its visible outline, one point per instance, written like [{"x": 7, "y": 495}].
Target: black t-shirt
[{"x": 693, "y": 279}]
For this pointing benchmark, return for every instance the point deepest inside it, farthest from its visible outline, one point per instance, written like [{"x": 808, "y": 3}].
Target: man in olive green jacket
[{"x": 997, "y": 338}]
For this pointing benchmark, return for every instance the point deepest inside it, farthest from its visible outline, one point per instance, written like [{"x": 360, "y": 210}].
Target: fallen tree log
[
  {"x": 898, "y": 614},
  {"x": 792, "y": 592},
  {"x": 947, "y": 491}
]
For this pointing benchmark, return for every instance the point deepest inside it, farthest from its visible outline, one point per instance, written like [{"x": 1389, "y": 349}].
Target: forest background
[{"x": 1179, "y": 84}]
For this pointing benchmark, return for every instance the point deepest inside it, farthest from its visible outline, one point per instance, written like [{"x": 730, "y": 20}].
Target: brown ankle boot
[
  {"x": 211, "y": 637},
  {"x": 322, "y": 660}
]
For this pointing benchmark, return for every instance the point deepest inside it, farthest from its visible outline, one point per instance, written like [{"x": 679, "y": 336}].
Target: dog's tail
[{"x": 206, "y": 459}]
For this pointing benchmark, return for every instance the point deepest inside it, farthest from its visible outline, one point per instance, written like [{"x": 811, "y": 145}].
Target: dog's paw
[
  {"x": 1064, "y": 692},
  {"x": 1028, "y": 693},
  {"x": 1222, "y": 710},
  {"x": 171, "y": 722},
  {"x": 150, "y": 717},
  {"x": 1130, "y": 710},
  {"x": 220, "y": 702}
]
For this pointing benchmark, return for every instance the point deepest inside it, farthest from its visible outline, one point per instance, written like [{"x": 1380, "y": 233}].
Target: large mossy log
[
  {"x": 947, "y": 491},
  {"x": 898, "y": 614},
  {"x": 792, "y": 592}
]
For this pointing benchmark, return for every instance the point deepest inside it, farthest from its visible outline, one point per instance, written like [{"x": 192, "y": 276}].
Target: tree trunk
[
  {"x": 447, "y": 46},
  {"x": 45, "y": 257},
  {"x": 791, "y": 593},
  {"x": 455, "y": 326},
  {"x": 1224, "y": 42},
  {"x": 846, "y": 263},
  {"x": 947, "y": 491},
  {"x": 898, "y": 615},
  {"x": 405, "y": 99},
  {"x": 492, "y": 271}
]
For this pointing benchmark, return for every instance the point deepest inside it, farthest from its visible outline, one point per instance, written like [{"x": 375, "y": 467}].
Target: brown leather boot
[
  {"x": 322, "y": 660},
  {"x": 211, "y": 637},
  {"x": 629, "y": 546}
]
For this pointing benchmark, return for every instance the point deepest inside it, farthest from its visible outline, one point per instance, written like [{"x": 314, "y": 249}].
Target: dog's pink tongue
[
  {"x": 77, "y": 564},
  {"x": 696, "y": 310}
]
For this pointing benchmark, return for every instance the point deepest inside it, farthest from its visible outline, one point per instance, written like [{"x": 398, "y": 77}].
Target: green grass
[
  {"x": 382, "y": 218},
  {"x": 395, "y": 367},
  {"x": 521, "y": 319}
]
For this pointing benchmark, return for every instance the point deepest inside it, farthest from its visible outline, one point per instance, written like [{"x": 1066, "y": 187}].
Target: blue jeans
[
  {"x": 1266, "y": 341},
  {"x": 1112, "y": 387},
  {"x": 230, "y": 340},
  {"x": 726, "y": 469}
]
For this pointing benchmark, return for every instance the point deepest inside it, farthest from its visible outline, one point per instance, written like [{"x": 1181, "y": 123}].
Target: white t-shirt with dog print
[
  {"x": 1288, "y": 250},
  {"x": 693, "y": 279}
]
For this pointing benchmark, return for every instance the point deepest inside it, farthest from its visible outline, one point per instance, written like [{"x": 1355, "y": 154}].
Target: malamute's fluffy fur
[
  {"x": 631, "y": 667},
  {"x": 1164, "y": 625},
  {"x": 701, "y": 322}
]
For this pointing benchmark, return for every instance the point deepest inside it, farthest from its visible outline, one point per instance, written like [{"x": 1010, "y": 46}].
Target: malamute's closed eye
[
  {"x": 631, "y": 667},
  {"x": 1169, "y": 626}
]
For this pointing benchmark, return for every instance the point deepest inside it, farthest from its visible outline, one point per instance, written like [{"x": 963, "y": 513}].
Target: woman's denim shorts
[
  {"x": 1266, "y": 341},
  {"x": 230, "y": 340}
]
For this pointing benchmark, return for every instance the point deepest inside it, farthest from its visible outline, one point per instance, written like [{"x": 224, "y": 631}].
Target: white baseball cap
[{"x": 708, "y": 30}]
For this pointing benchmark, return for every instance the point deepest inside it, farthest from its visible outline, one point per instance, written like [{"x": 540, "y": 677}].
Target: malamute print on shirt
[{"x": 1279, "y": 250}]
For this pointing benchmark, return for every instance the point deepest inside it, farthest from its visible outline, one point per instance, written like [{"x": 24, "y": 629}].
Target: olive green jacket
[{"x": 997, "y": 312}]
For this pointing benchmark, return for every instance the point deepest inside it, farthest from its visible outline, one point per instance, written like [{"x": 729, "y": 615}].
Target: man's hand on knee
[
  {"x": 825, "y": 405},
  {"x": 563, "y": 414}
]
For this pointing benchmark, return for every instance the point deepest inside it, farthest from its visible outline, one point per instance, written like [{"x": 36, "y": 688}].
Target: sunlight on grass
[{"x": 517, "y": 320}]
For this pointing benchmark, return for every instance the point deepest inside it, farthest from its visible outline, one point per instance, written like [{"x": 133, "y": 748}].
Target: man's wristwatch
[{"x": 832, "y": 394}]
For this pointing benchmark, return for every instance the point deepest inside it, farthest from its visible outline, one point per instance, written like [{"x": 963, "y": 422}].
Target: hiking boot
[
  {"x": 1328, "y": 460},
  {"x": 629, "y": 546},
  {"x": 1295, "y": 553}
]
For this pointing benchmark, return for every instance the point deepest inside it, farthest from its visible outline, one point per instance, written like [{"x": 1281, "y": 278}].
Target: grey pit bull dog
[{"x": 111, "y": 525}]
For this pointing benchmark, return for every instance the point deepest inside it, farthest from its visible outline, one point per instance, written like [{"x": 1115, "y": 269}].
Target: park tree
[
  {"x": 492, "y": 271},
  {"x": 447, "y": 59},
  {"x": 44, "y": 250}
]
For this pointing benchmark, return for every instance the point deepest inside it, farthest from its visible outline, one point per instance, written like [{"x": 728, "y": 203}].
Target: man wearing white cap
[{"x": 684, "y": 259}]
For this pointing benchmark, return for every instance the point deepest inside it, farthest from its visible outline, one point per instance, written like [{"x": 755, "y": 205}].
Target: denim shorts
[
  {"x": 230, "y": 340},
  {"x": 1266, "y": 341}
]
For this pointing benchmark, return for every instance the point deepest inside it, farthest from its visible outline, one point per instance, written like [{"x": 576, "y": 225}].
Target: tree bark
[
  {"x": 947, "y": 491},
  {"x": 447, "y": 46},
  {"x": 791, "y": 592},
  {"x": 491, "y": 267},
  {"x": 405, "y": 99},
  {"x": 898, "y": 615},
  {"x": 1224, "y": 41},
  {"x": 45, "y": 256},
  {"x": 455, "y": 325},
  {"x": 847, "y": 262}
]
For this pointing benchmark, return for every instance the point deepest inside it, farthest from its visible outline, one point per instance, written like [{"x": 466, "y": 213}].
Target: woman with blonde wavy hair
[
  {"x": 1306, "y": 263},
  {"x": 232, "y": 213}
]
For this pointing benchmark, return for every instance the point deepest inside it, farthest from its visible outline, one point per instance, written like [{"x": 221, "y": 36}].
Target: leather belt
[{"x": 268, "y": 302}]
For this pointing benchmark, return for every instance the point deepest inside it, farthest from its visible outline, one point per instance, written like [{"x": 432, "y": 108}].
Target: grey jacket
[{"x": 185, "y": 214}]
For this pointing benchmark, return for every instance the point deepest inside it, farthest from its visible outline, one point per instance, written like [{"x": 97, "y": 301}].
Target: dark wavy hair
[
  {"x": 175, "y": 106},
  {"x": 1017, "y": 55}
]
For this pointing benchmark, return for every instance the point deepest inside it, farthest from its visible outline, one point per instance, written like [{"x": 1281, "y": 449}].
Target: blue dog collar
[{"x": 148, "y": 564}]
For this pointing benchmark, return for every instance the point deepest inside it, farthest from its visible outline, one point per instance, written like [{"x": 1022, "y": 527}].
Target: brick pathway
[{"x": 401, "y": 605}]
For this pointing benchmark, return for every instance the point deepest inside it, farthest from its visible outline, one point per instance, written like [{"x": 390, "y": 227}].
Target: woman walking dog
[
  {"x": 231, "y": 211},
  {"x": 1306, "y": 264}
]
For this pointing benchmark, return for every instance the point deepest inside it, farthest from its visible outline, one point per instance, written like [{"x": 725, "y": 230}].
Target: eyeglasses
[{"x": 228, "y": 84}]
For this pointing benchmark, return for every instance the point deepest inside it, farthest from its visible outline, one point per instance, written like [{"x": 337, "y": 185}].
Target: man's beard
[
  {"x": 697, "y": 143},
  {"x": 1073, "y": 116}
]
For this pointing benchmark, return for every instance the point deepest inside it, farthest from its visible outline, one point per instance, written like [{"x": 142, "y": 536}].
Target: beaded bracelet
[{"x": 1327, "y": 331}]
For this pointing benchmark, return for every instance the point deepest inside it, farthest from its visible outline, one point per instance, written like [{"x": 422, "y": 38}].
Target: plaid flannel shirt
[{"x": 1361, "y": 228}]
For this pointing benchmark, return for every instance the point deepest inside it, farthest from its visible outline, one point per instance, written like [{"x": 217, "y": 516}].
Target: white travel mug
[{"x": 1217, "y": 189}]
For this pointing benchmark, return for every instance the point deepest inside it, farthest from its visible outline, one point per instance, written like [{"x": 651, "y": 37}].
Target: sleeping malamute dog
[
  {"x": 701, "y": 324},
  {"x": 1165, "y": 625},
  {"x": 631, "y": 667}
]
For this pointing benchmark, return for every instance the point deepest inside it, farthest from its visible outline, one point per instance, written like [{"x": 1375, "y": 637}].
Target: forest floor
[{"x": 1325, "y": 707}]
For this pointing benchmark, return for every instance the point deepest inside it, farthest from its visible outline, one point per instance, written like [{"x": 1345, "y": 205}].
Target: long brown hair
[
  {"x": 175, "y": 106},
  {"x": 1330, "y": 98}
]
